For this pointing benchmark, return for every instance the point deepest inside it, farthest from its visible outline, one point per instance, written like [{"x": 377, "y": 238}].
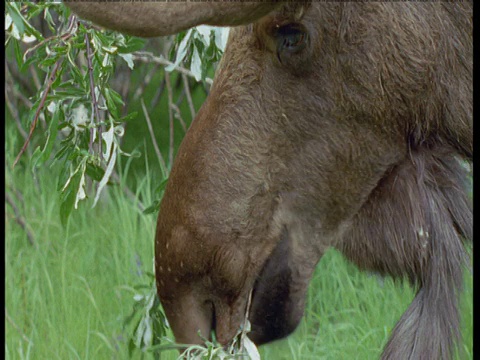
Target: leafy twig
[{"x": 51, "y": 78}]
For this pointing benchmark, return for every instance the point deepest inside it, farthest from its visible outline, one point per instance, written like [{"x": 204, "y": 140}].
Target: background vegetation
[{"x": 79, "y": 281}]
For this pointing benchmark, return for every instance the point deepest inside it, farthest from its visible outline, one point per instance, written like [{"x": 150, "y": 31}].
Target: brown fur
[{"x": 353, "y": 143}]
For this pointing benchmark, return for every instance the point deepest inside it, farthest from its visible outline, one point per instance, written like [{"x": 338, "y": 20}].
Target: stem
[
  {"x": 51, "y": 79},
  {"x": 163, "y": 167},
  {"x": 189, "y": 96}
]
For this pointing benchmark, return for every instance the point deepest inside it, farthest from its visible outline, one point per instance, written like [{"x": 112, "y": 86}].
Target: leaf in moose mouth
[
  {"x": 251, "y": 349},
  {"x": 241, "y": 347}
]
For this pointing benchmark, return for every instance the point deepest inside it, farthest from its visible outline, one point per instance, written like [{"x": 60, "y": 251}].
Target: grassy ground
[{"x": 67, "y": 298}]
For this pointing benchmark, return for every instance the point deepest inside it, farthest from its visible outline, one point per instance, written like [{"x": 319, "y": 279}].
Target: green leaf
[
  {"x": 116, "y": 97},
  {"x": 111, "y": 105},
  {"x": 204, "y": 34},
  {"x": 69, "y": 92},
  {"x": 154, "y": 208},
  {"x": 94, "y": 171},
  {"x": 49, "y": 61},
  {"x": 20, "y": 22},
  {"x": 69, "y": 196},
  {"x": 65, "y": 150},
  {"x": 196, "y": 65},
  {"x": 16, "y": 16},
  {"x": 51, "y": 136},
  {"x": 133, "y": 44},
  {"x": 161, "y": 186},
  {"x": 128, "y": 59},
  {"x": 182, "y": 51},
  {"x": 18, "y": 54},
  {"x": 128, "y": 117}
]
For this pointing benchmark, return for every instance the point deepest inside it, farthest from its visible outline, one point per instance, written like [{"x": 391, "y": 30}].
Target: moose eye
[
  {"x": 293, "y": 48},
  {"x": 291, "y": 38}
]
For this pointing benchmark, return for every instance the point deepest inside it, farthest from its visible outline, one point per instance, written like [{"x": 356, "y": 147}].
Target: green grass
[{"x": 68, "y": 297}]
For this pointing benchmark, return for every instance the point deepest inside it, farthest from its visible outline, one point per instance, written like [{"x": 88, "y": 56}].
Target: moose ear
[{"x": 149, "y": 19}]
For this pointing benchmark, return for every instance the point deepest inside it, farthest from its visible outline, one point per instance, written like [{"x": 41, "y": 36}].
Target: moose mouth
[{"x": 276, "y": 309}]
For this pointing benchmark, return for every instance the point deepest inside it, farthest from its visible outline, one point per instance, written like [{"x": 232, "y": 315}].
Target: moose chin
[{"x": 329, "y": 124}]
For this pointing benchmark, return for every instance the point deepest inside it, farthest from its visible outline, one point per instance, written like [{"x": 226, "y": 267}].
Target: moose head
[{"x": 329, "y": 124}]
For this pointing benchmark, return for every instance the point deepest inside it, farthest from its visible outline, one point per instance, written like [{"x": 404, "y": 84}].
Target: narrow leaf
[
  {"x": 182, "y": 51},
  {"x": 196, "y": 65}
]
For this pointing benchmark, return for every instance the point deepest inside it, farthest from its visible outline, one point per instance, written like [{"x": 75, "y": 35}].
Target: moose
[{"x": 329, "y": 124}]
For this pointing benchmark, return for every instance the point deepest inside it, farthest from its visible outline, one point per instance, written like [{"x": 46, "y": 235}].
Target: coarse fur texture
[{"x": 329, "y": 124}]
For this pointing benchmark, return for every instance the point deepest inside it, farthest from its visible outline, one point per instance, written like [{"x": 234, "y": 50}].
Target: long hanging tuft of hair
[{"x": 415, "y": 225}]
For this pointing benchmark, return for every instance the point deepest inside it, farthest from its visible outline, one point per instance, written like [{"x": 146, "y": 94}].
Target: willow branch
[
  {"x": 145, "y": 56},
  {"x": 51, "y": 78}
]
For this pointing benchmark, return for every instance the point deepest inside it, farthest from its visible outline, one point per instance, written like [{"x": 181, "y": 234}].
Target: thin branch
[
  {"x": 186, "y": 87},
  {"x": 51, "y": 78},
  {"x": 158, "y": 94},
  {"x": 170, "y": 118},
  {"x": 154, "y": 141},
  {"x": 16, "y": 327},
  {"x": 36, "y": 81},
  {"x": 145, "y": 56},
  {"x": 178, "y": 116},
  {"x": 71, "y": 30},
  {"x": 20, "y": 219}
]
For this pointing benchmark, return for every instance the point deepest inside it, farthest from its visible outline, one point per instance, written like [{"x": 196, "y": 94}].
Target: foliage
[
  {"x": 77, "y": 99},
  {"x": 82, "y": 115}
]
